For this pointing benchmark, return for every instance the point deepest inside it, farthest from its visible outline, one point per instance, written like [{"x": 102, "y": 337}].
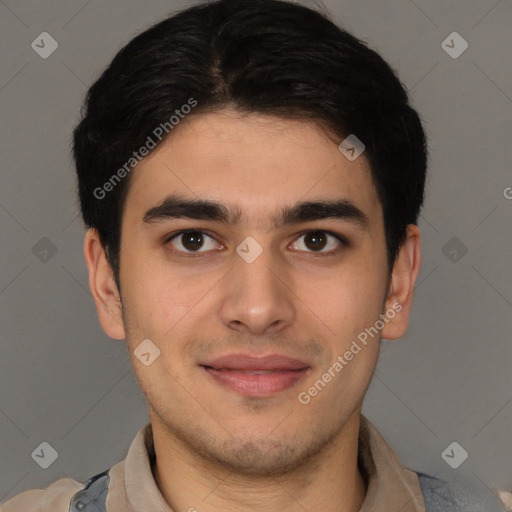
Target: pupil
[
  {"x": 316, "y": 237},
  {"x": 193, "y": 240}
]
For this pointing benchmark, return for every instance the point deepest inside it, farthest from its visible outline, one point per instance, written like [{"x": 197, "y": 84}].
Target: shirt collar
[{"x": 390, "y": 486}]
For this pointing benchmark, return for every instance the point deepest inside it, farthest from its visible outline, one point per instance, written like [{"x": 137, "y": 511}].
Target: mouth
[{"x": 252, "y": 376}]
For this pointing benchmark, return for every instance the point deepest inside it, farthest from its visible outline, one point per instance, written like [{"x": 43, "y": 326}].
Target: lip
[
  {"x": 256, "y": 384},
  {"x": 250, "y": 363},
  {"x": 256, "y": 376}
]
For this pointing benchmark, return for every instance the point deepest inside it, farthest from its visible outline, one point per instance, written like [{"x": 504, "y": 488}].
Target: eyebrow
[{"x": 180, "y": 207}]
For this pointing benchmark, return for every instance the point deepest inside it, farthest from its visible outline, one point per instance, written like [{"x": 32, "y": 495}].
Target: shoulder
[
  {"x": 55, "y": 497},
  {"x": 457, "y": 496},
  {"x": 66, "y": 495}
]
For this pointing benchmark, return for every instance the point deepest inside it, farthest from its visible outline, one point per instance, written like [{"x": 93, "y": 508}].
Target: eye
[
  {"x": 316, "y": 241},
  {"x": 191, "y": 241}
]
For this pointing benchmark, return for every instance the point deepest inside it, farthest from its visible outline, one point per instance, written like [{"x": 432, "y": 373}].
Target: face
[{"x": 300, "y": 288}]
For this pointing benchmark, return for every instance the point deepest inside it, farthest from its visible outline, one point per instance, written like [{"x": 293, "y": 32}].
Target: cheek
[
  {"x": 165, "y": 307},
  {"x": 156, "y": 295},
  {"x": 349, "y": 302}
]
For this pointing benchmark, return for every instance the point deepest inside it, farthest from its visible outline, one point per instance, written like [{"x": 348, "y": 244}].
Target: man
[{"x": 251, "y": 176}]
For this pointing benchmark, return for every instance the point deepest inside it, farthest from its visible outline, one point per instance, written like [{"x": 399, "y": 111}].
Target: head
[{"x": 240, "y": 106}]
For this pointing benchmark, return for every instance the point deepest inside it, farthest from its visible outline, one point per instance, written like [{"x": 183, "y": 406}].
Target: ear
[
  {"x": 103, "y": 287},
  {"x": 403, "y": 278}
]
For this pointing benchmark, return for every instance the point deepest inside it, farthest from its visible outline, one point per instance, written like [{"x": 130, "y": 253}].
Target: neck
[{"x": 330, "y": 482}]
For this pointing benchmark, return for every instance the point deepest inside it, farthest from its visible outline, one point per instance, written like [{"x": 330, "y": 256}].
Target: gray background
[{"x": 64, "y": 382}]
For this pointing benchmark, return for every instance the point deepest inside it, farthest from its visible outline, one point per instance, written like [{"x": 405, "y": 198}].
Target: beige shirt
[{"x": 132, "y": 487}]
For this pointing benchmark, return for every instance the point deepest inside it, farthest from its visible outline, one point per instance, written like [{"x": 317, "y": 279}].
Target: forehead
[{"x": 252, "y": 164}]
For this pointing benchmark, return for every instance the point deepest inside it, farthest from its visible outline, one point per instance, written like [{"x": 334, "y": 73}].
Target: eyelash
[{"x": 344, "y": 242}]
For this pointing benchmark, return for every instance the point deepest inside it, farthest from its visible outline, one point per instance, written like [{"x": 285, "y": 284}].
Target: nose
[{"x": 257, "y": 296}]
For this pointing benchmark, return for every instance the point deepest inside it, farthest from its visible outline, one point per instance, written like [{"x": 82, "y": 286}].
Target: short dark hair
[{"x": 265, "y": 56}]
